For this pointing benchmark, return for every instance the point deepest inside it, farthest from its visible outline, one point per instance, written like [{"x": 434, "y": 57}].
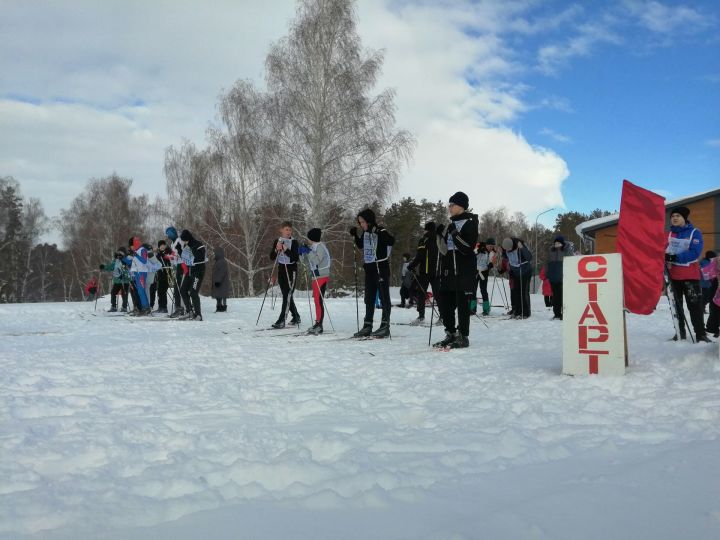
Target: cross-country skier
[
  {"x": 375, "y": 242},
  {"x": 193, "y": 255},
  {"x": 425, "y": 265},
  {"x": 456, "y": 245},
  {"x": 685, "y": 247},
  {"x": 175, "y": 257},
  {"x": 285, "y": 250},
  {"x": 318, "y": 261},
  {"x": 520, "y": 261},
  {"x": 120, "y": 277}
]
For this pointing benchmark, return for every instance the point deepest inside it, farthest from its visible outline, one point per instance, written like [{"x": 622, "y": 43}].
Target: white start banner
[{"x": 593, "y": 318}]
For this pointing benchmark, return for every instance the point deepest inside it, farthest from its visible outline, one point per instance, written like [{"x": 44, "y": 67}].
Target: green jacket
[{"x": 120, "y": 273}]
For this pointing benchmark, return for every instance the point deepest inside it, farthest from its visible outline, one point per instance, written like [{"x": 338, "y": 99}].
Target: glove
[
  {"x": 491, "y": 266},
  {"x": 217, "y": 284},
  {"x": 316, "y": 272},
  {"x": 439, "y": 229},
  {"x": 102, "y": 267},
  {"x": 304, "y": 250},
  {"x": 353, "y": 231},
  {"x": 452, "y": 229},
  {"x": 669, "y": 257}
]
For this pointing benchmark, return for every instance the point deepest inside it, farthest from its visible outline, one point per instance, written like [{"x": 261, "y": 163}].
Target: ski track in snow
[{"x": 110, "y": 424}]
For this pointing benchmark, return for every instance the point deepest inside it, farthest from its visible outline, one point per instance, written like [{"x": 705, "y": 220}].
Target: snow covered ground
[{"x": 112, "y": 428}]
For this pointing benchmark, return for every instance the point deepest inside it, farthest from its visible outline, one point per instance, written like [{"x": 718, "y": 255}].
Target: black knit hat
[
  {"x": 314, "y": 235},
  {"x": 186, "y": 235},
  {"x": 560, "y": 238},
  {"x": 368, "y": 215},
  {"x": 460, "y": 199},
  {"x": 490, "y": 241},
  {"x": 430, "y": 226},
  {"x": 684, "y": 211}
]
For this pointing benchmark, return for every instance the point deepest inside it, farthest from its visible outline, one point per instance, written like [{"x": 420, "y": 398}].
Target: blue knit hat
[{"x": 171, "y": 233}]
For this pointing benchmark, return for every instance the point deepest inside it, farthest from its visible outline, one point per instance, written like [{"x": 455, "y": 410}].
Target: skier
[
  {"x": 485, "y": 261},
  {"x": 317, "y": 258},
  {"x": 685, "y": 246},
  {"x": 193, "y": 255},
  {"x": 456, "y": 246},
  {"x": 406, "y": 279},
  {"x": 559, "y": 250},
  {"x": 121, "y": 279},
  {"x": 139, "y": 275},
  {"x": 519, "y": 259},
  {"x": 164, "y": 277},
  {"x": 220, "y": 281},
  {"x": 180, "y": 269},
  {"x": 546, "y": 288},
  {"x": 425, "y": 261},
  {"x": 708, "y": 286},
  {"x": 375, "y": 242},
  {"x": 285, "y": 250}
]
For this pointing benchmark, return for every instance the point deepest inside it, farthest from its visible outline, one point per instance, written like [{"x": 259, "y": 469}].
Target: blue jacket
[{"x": 686, "y": 266}]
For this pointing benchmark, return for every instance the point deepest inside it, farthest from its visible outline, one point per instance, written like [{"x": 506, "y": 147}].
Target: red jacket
[{"x": 546, "y": 287}]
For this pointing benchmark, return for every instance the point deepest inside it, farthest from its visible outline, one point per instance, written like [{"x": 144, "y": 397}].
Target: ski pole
[{"x": 266, "y": 291}]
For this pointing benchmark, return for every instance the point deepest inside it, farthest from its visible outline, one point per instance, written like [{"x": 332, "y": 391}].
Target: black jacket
[
  {"x": 426, "y": 257},
  {"x": 463, "y": 234},
  {"x": 380, "y": 239},
  {"x": 292, "y": 253},
  {"x": 519, "y": 259},
  {"x": 555, "y": 261},
  {"x": 198, "y": 250}
]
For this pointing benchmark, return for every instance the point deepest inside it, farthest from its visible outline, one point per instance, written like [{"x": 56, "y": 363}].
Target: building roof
[{"x": 607, "y": 221}]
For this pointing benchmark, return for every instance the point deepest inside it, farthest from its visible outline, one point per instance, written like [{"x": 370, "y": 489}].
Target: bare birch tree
[{"x": 337, "y": 142}]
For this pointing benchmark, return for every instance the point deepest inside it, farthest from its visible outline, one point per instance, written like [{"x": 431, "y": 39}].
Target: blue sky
[{"x": 526, "y": 104}]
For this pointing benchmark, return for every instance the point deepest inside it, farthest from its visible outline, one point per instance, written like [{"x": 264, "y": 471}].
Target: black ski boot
[
  {"x": 703, "y": 338},
  {"x": 123, "y": 309},
  {"x": 383, "y": 330},
  {"x": 365, "y": 331},
  {"x": 418, "y": 322},
  {"x": 449, "y": 338},
  {"x": 179, "y": 312},
  {"x": 197, "y": 317},
  {"x": 316, "y": 329},
  {"x": 460, "y": 342},
  {"x": 295, "y": 321},
  {"x": 280, "y": 323},
  {"x": 113, "y": 309}
]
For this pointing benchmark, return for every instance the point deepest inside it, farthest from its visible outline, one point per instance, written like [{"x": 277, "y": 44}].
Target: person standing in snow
[
  {"x": 285, "y": 251},
  {"x": 376, "y": 243},
  {"x": 519, "y": 260},
  {"x": 317, "y": 259},
  {"x": 174, "y": 257},
  {"x": 685, "y": 246},
  {"x": 456, "y": 246},
  {"x": 139, "y": 275},
  {"x": 546, "y": 288},
  {"x": 708, "y": 286},
  {"x": 405, "y": 281},
  {"x": 220, "y": 281},
  {"x": 485, "y": 260},
  {"x": 164, "y": 277},
  {"x": 91, "y": 289},
  {"x": 193, "y": 255},
  {"x": 559, "y": 250},
  {"x": 425, "y": 266},
  {"x": 121, "y": 279}
]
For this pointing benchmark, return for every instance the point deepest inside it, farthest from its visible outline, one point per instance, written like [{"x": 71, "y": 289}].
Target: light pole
[{"x": 536, "y": 246}]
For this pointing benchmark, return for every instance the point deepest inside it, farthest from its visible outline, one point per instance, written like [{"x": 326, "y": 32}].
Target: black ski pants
[
  {"x": 122, "y": 290},
  {"x": 423, "y": 282},
  {"x": 286, "y": 280},
  {"x": 460, "y": 301},
  {"x": 161, "y": 282},
  {"x": 190, "y": 289},
  {"x": 377, "y": 280},
  {"x": 482, "y": 278},
  {"x": 691, "y": 292},
  {"x": 520, "y": 295},
  {"x": 557, "y": 298}
]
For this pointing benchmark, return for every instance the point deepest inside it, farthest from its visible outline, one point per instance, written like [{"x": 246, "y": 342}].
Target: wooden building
[{"x": 601, "y": 233}]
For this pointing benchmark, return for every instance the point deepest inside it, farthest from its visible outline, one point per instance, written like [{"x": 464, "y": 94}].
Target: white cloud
[
  {"x": 559, "y": 137},
  {"x": 669, "y": 19},
  {"x": 715, "y": 143},
  {"x": 117, "y": 82},
  {"x": 553, "y": 57}
]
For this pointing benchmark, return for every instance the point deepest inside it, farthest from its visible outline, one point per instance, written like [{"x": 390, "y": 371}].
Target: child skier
[
  {"x": 519, "y": 260},
  {"x": 285, "y": 251},
  {"x": 317, "y": 258},
  {"x": 456, "y": 246},
  {"x": 406, "y": 279},
  {"x": 220, "y": 281},
  {"x": 485, "y": 259},
  {"x": 164, "y": 276},
  {"x": 180, "y": 269},
  {"x": 559, "y": 250},
  {"x": 375, "y": 242},
  {"x": 426, "y": 263},
  {"x": 139, "y": 274},
  {"x": 121, "y": 279},
  {"x": 193, "y": 255}
]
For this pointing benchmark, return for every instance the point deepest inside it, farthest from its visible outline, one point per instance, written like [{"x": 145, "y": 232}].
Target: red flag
[{"x": 641, "y": 239}]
